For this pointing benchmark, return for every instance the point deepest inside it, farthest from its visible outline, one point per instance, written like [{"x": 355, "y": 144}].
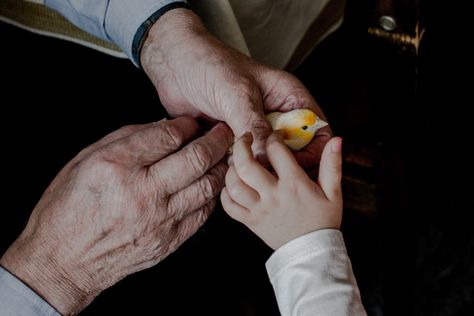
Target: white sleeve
[{"x": 312, "y": 275}]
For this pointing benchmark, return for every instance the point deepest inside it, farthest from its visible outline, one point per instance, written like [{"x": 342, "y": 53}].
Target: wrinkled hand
[
  {"x": 195, "y": 74},
  {"x": 283, "y": 207},
  {"x": 122, "y": 205}
]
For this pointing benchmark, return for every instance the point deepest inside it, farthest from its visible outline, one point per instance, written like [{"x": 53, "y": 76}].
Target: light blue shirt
[
  {"x": 17, "y": 299},
  {"x": 122, "y": 22}
]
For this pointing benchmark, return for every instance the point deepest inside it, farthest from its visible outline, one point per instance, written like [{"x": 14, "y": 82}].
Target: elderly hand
[
  {"x": 195, "y": 74},
  {"x": 122, "y": 205}
]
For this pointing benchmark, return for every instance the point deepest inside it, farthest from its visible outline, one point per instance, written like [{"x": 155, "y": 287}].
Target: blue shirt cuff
[
  {"x": 142, "y": 32},
  {"x": 123, "y": 22},
  {"x": 18, "y": 299}
]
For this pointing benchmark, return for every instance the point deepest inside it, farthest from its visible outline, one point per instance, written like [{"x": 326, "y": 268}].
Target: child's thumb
[{"x": 330, "y": 169}]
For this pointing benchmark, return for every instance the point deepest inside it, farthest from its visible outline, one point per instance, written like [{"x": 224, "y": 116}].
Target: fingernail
[{"x": 337, "y": 145}]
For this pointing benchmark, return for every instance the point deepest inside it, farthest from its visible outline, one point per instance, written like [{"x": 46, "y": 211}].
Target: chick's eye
[{"x": 305, "y": 128}]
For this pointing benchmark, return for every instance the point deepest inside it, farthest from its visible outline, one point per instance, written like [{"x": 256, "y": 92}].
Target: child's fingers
[
  {"x": 247, "y": 168},
  {"x": 234, "y": 210},
  {"x": 239, "y": 191},
  {"x": 281, "y": 158},
  {"x": 330, "y": 169}
]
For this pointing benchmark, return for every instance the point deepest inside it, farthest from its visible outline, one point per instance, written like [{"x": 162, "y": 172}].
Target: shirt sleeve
[
  {"x": 18, "y": 299},
  {"x": 123, "y": 22},
  {"x": 312, "y": 275}
]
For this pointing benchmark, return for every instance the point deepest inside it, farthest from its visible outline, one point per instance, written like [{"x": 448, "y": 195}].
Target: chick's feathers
[{"x": 298, "y": 126}]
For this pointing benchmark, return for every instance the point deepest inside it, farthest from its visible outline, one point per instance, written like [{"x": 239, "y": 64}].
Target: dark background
[{"x": 407, "y": 124}]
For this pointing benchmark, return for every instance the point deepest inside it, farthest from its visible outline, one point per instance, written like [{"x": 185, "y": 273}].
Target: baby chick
[{"x": 298, "y": 126}]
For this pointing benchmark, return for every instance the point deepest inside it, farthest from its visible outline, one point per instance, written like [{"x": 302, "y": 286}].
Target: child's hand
[{"x": 283, "y": 207}]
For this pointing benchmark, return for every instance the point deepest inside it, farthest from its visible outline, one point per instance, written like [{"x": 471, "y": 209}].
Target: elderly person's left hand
[
  {"x": 196, "y": 74},
  {"x": 120, "y": 206}
]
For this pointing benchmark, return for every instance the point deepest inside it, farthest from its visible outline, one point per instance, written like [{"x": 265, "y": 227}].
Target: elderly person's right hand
[
  {"x": 198, "y": 75},
  {"x": 122, "y": 205}
]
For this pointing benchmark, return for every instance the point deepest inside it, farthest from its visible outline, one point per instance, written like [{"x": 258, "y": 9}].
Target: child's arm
[{"x": 310, "y": 270}]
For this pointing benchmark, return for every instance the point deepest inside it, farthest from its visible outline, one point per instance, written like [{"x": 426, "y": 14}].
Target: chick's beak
[{"x": 321, "y": 124}]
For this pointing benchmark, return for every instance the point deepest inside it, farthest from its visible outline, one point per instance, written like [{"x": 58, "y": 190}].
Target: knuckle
[
  {"x": 199, "y": 157},
  {"x": 97, "y": 165},
  {"x": 202, "y": 215},
  {"x": 119, "y": 134},
  {"x": 176, "y": 205},
  {"x": 334, "y": 166},
  {"x": 204, "y": 212},
  {"x": 234, "y": 190},
  {"x": 127, "y": 129},
  {"x": 159, "y": 186},
  {"x": 173, "y": 136},
  {"x": 210, "y": 186},
  {"x": 184, "y": 232},
  {"x": 258, "y": 125}
]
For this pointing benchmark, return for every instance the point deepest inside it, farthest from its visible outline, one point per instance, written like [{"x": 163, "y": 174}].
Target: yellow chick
[{"x": 299, "y": 126}]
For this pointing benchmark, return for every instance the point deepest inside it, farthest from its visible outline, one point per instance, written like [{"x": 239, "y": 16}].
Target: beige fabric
[
  {"x": 274, "y": 29},
  {"x": 279, "y": 33}
]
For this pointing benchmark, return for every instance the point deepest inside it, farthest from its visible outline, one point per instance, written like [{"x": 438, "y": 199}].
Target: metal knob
[{"x": 387, "y": 23}]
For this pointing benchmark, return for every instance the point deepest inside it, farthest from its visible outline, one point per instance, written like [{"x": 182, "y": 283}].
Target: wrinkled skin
[
  {"x": 126, "y": 202},
  {"x": 196, "y": 74},
  {"x": 121, "y": 206}
]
